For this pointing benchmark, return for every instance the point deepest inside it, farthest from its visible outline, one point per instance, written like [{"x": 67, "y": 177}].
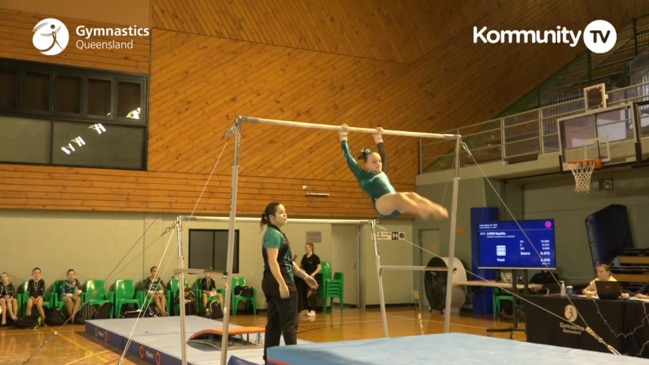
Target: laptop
[{"x": 608, "y": 289}]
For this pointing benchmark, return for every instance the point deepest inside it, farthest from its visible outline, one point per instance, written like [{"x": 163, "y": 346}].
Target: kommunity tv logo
[{"x": 599, "y": 36}]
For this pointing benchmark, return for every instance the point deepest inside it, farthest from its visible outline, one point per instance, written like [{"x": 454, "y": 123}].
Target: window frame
[{"x": 85, "y": 75}]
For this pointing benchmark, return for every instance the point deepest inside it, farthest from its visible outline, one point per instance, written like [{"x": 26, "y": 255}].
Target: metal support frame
[
  {"x": 456, "y": 180},
  {"x": 228, "y": 293},
  {"x": 236, "y": 131}
]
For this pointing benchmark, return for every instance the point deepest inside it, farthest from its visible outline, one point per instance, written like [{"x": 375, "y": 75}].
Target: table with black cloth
[
  {"x": 623, "y": 324},
  {"x": 637, "y": 325}
]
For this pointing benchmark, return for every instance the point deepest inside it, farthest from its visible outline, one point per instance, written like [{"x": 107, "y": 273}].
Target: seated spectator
[
  {"x": 643, "y": 292},
  {"x": 8, "y": 301},
  {"x": 36, "y": 290},
  {"x": 191, "y": 302},
  {"x": 71, "y": 294},
  {"x": 549, "y": 280},
  {"x": 603, "y": 274},
  {"x": 208, "y": 286},
  {"x": 155, "y": 291}
]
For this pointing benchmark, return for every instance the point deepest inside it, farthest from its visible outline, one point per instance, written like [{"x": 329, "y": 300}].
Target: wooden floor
[{"x": 68, "y": 344}]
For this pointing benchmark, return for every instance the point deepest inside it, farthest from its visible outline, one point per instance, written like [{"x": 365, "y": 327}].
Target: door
[{"x": 345, "y": 258}]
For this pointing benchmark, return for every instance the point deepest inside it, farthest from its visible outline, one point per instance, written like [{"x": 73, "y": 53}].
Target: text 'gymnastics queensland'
[{"x": 87, "y": 34}]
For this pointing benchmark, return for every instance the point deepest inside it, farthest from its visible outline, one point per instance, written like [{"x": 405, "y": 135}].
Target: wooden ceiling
[{"x": 405, "y": 65}]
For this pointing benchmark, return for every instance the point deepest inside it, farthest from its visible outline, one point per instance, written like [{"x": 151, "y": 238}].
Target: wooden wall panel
[
  {"x": 399, "y": 31},
  {"x": 407, "y": 65},
  {"x": 124, "y": 12}
]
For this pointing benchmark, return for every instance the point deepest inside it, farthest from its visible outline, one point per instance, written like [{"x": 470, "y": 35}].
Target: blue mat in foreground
[{"x": 449, "y": 348}]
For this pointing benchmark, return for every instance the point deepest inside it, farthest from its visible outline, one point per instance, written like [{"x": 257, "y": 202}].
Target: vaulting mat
[{"x": 157, "y": 340}]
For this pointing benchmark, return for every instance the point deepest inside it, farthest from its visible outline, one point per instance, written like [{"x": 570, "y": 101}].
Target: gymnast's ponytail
[{"x": 364, "y": 153}]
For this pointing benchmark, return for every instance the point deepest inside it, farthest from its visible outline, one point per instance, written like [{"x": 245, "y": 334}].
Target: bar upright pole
[{"x": 451, "y": 244}]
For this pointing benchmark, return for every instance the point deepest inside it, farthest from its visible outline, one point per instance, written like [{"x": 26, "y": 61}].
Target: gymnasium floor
[{"x": 70, "y": 345}]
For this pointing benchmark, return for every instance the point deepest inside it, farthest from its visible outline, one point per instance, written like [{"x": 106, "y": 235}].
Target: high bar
[
  {"x": 290, "y": 220},
  {"x": 337, "y": 128}
]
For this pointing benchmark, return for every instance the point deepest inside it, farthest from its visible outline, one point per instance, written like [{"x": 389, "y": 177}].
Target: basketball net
[{"x": 582, "y": 170}]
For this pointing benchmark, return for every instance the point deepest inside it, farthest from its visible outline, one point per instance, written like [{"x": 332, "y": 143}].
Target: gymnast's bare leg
[{"x": 409, "y": 202}]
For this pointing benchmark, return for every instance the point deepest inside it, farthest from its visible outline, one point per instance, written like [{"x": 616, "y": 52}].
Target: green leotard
[{"x": 375, "y": 184}]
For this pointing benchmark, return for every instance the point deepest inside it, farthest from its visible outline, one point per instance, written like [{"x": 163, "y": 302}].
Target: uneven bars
[
  {"x": 294, "y": 220},
  {"x": 338, "y": 128}
]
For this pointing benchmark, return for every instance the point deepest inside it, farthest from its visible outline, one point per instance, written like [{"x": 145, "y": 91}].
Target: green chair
[
  {"x": 94, "y": 293},
  {"x": 498, "y": 297},
  {"x": 340, "y": 276},
  {"x": 323, "y": 276},
  {"x": 55, "y": 295},
  {"x": 141, "y": 295},
  {"x": 252, "y": 301},
  {"x": 124, "y": 294},
  {"x": 22, "y": 296},
  {"x": 196, "y": 288},
  {"x": 173, "y": 293},
  {"x": 334, "y": 288}
]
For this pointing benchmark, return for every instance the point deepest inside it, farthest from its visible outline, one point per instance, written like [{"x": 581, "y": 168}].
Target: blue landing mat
[{"x": 441, "y": 349}]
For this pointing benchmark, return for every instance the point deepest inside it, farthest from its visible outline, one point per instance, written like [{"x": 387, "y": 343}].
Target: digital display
[{"x": 524, "y": 244}]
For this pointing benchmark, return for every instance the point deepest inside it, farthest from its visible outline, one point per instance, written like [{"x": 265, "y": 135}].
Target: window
[
  {"x": 209, "y": 248},
  {"x": 128, "y": 100},
  {"x": 36, "y": 91},
  {"x": 67, "y": 94},
  {"x": 8, "y": 82},
  {"x": 99, "y": 96},
  {"x": 72, "y": 116},
  {"x": 15, "y": 131},
  {"x": 82, "y": 144}
]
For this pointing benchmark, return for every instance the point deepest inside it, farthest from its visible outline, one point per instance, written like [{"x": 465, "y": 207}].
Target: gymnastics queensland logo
[
  {"x": 50, "y": 37},
  {"x": 599, "y": 36},
  {"x": 570, "y": 312}
]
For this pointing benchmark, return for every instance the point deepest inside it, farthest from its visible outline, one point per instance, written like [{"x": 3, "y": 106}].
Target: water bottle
[{"x": 563, "y": 288}]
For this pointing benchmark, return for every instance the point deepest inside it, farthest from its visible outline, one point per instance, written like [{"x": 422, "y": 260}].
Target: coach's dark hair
[{"x": 271, "y": 209}]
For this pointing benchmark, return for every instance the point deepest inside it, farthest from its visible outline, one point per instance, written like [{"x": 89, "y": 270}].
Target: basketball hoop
[{"x": 582, "y": 170}]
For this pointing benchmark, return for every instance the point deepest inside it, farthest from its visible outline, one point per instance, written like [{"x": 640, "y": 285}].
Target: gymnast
[{"x": 374, "y": 181}]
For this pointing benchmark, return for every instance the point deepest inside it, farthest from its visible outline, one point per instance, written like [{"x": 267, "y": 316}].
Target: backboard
[{"x": 609, "y": 135}]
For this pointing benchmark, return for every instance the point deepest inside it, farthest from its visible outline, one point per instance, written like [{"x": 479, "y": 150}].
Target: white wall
[
  {"x": 397, "y": 285},
  {"x": 96, "y": 245},
  {"x": 113, "y": 246}
]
